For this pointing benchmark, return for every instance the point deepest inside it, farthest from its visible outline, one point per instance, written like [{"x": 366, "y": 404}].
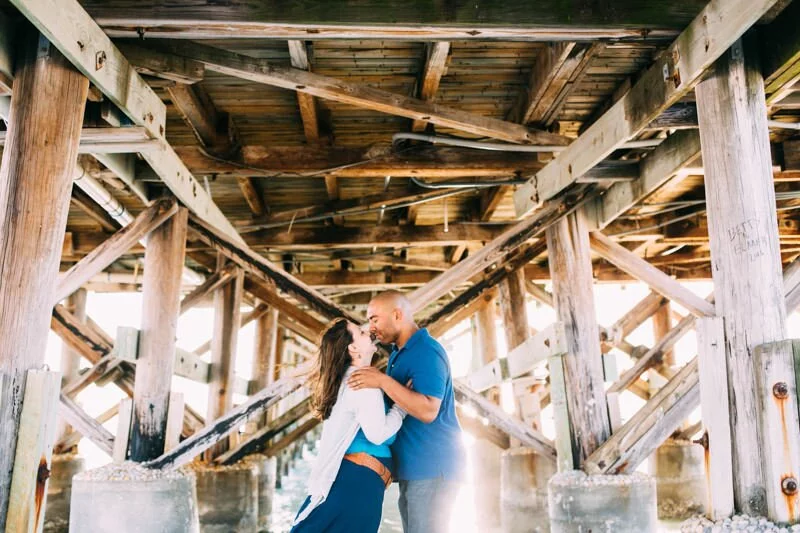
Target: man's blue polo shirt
[{"x": 427, "y": 451}]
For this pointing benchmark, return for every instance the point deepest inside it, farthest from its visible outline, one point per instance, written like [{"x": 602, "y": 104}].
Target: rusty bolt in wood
[
  {"x": 789, "y": 486},
  {"x": 780, "y": 390}
]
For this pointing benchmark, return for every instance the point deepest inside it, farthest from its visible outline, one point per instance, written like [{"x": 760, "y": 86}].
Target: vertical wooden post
[
  {"x": 264, "y": 350},
  {"x": 571, "y": 272},
  {"x": 264, "y": 356},
  {"x": 37, "y": 433},
  {"x": 662, "y": 324},
  {"x": 487, "y": 337},
  {"x": 48, "y": 99},
  {"x": 716, "y": 417},
  {"x": 70, "y": 359},
  {"x": 227, "y": 316},
  {"x": 177, "y": 406},
  {"x": 123, "y": 436},
  {"x": 161, "y": 293},
  {"x": 745, "y": 256},
  {"x": 515, "y": 314}
]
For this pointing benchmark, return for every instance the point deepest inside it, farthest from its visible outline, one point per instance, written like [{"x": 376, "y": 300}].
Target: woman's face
[{"x": 361, "y": 348}]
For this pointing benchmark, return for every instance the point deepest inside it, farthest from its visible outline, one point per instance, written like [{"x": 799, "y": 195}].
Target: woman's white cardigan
[{"x": 353, "y": 409}]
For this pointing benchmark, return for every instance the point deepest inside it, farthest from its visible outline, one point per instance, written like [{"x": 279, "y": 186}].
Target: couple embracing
[{"x": 378, "y": 427}]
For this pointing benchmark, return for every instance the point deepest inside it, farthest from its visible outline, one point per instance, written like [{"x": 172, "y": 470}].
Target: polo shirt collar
[{"x": 418, "y": 336}]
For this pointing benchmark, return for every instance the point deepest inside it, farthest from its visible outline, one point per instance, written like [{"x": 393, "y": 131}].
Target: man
[{"x": 428, "y": 454}]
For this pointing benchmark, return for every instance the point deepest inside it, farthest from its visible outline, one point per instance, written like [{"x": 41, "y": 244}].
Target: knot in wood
[
  {"x": 780, "y": 390},
  {"x": 789, "y": 486}
]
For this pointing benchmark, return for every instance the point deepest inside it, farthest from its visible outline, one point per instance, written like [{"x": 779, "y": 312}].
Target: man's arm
[{"x": 423, "y": 408}]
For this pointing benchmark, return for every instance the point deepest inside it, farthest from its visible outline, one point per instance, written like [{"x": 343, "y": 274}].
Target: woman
[{"x": 352, "y": 471}]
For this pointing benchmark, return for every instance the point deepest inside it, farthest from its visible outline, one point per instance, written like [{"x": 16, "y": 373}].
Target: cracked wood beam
[
  {"x": 298, "y": 54},
  {"x": 435, "y": 68},
  {"x": 709, "y": 35}
]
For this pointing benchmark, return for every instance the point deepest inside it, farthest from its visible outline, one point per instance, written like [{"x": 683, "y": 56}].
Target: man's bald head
[{"x": 390, "y": 316}]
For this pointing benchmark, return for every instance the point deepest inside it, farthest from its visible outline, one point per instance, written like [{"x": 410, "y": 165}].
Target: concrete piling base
[
  {"x": 127, "y": 498},
  {"x": 681, "y": 488},
  {"x": 227, "y": 498},
  {"x": 267, "y": 470},
  {"x": 618, "y": 504},
  {"x": 523, "y": 491},
  {"x": 59, "y": 491}
]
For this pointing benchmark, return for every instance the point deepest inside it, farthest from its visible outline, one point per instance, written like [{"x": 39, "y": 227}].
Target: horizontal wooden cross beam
[{"x": 420, "y": 21}]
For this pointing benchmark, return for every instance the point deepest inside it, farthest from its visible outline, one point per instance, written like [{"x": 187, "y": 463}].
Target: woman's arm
[
  {"x": 377, "y": 424},
  {"x": 422, "y": 407}
]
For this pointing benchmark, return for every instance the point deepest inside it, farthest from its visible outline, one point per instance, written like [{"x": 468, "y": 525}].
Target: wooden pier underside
[{"x": 289, "y": 135}]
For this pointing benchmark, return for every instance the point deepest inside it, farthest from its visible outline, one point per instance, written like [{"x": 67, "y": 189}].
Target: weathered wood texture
[
  {"x": 264, "y": 357},
  {"x": 740, "y": 199},
  {"x": 662, "y": 324},
  {"x": 435, "y": 68},
  {"x": 422, "y": 21},
  {"x": 778, "y": 423},
  {"x": 81, "y": 40},
  {"x": 102, "y": 256},
  {"x": 342, "y": 91},
  {"x": 86, "y": 425},
  {"x": 164, "y": 261},
  {"x": 716, "y": 415},
  {"x": 70, "y": 359},
  {"x": 35, "y": 180},
  {"x": 571, "y": 271},
  {"x": 649, "y": 427},
  {"x": 32, "y": 464},
  {"x": 644, "y": 271},
  {"x": 227, "y": 318},
  {"x": 515, "y": 312},
  {"x": 672, "y": 75},
  {"x": 487, "y": 329}
]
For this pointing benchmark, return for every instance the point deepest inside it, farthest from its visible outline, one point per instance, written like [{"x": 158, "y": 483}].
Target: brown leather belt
[{"x": 369, "y": 461}]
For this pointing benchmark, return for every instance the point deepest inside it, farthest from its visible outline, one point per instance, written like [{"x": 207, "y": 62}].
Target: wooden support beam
[
  {"x": 715, "y": 413},
  {"x": 527, "y": 436},
  {"x": 35, "y": 181},
  {"x": 123, "y": 435},
  {"x": 259, "y": 268},
  {"x": 211, "y": 284},
  {"x": 227, "y": 318},
  {"x": 92, "y": 52},
  {"x": 490, "y": 201},
  {"x": 304, "y": 426},
  {"x": 161, "y": 65},
  {"x": 549, "y": 76},
  {"x": 664, "y": 162},
  {"x": 649, "y": 427},
  {"x": 86, "y": 425},
  {"x": 672, "y": 76},
  {"x": 551, "y": 21},
  {"x": 102, "y": 256},
  {"x": 6, "y": 57},
  {"x": 497, "y": 249},
  {"x": 515, "y": 313},
  {"x": 264, "y": 349},
  {"x": 662, "y": 324},
  {"x": 85, "y": 203},
  {"x": 745, "y": 256},
  {"x": 71, "y": 359},
  {"x": 446, "y": 321},
  {"x": 644, "y": 271},
  {"x": 570, "y": 268},
  {"x": 435, "y": 68},
  {"x": 298, "y": 54},
  {"x": 549, "y": 342},
  {"x": 71, "y": 440},
  {"x": 259, "y": 71},
  {"x": 208, "y": 436},
  {"x": 163, "y": 263},
  {"x": 200, "y": 114},
  {"x": 34, "y": 453}
]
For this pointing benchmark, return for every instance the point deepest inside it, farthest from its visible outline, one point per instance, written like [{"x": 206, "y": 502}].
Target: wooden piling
[
  {"x": 571, "y": 272},
  {"x": 745, "y": 257},
  {"x": 227, "y": 305},
  {"x": 164, "y": 260},
  {"x": 47, "y": 104},
  {"x": 70, "y": 359}
]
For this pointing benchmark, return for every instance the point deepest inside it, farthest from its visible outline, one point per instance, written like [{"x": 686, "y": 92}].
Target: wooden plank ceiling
[{"x": 273, "y": 159}]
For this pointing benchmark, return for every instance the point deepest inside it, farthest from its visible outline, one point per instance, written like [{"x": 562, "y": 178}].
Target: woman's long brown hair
[{"x": 332, "y": 362}]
